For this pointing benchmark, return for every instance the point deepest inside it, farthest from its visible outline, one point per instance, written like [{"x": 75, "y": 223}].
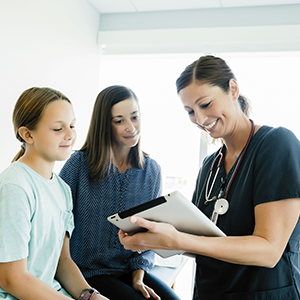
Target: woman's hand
[
  {"x": 138, "y": 285},
  {"x": 158, "y": 236}
]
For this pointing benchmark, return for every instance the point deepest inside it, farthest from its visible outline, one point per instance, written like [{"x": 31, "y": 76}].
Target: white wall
[{"x": 47, "y": 43}]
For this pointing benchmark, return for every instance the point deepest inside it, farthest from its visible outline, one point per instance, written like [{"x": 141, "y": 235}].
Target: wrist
[
  {"x": 87, "y": 294},
  {"x": 138, "y": 275}
]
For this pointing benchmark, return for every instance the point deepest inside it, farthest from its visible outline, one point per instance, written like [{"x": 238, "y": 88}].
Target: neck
[
  {"x": 237, "y": 140},
  {"x": 38, "y": 165},
  {"x": 234, "y": 146},
  {"x": 120, "y": 158}
]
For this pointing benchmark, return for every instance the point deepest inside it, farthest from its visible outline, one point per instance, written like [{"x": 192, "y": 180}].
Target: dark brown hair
[
  {"x": 29, "y": 108},
  {"x": 99, "y": 141},
  {"x": 211, "y": 70}
]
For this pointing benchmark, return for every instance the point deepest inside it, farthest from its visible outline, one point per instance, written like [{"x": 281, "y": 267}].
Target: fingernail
[{"x": 133, "y": 219}]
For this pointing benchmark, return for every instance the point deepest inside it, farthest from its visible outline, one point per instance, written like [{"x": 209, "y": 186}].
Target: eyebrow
[{"x": 120, "y": 116}]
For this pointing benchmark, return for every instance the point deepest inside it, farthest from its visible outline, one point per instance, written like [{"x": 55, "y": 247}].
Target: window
[{"x": 269, "y": 80}]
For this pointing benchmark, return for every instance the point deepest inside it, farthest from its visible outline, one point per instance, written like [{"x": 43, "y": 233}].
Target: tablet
[{"x": 172, "y": 208}]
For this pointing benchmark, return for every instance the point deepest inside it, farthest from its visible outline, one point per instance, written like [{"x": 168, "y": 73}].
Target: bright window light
[{"x": 269, "y": 80}]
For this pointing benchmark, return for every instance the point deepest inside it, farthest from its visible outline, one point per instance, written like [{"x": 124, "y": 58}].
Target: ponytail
[
  {"x": 20, "y": 153},
  {"x": 245, "y": 105}
]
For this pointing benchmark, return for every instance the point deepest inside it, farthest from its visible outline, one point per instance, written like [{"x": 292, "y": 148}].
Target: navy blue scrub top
[{"x": 269, "y": 171}]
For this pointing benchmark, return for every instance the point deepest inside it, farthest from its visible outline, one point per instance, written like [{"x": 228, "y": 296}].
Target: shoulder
[
  {"x": 18, "y": 184},
  {"x": 17, "y": 174},
  {"x": 151, "y": 164},
  {"x": 273, "y": 137},
  {"x": 77, "y": 157},
  {"x": 77, "y": 161}
]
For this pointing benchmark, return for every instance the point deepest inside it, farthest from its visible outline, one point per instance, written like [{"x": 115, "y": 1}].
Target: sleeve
[
  {"x": 69, "y": 218},
  {"x": 157, "y": 189},
  {"x": 144, "y": 261},
  {"x": 15, "y": 225},
  {"x": 277, "y": 167},
  {"x": 70, "y": 173}
]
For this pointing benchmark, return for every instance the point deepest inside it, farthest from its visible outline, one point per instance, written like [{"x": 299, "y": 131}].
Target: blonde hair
[{"x": 29, "y": 109}]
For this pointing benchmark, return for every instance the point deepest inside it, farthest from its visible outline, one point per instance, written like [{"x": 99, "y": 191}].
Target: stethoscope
[{"x": 222, "y": 204}]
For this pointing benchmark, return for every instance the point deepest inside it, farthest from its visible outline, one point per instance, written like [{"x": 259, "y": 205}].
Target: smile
[
  {"x": 130, "y": 136},
  {"x": 211, "y": 125}
]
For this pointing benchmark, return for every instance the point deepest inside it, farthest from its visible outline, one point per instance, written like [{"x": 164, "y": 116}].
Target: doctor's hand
[{"x": 158, "y": 236}]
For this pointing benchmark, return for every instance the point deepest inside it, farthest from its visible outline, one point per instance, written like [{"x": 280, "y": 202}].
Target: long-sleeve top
[{"x": 94, "y": 244}]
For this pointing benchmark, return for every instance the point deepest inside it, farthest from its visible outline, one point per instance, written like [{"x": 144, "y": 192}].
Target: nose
[
  {"x": 130, "y": 127},
  {"x": 200, "y": 117},
  {"x": 70, "y": 134}
]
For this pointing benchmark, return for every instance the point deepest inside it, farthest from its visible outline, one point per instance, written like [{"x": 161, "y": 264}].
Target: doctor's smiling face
[{"x": 209, "y": 107}]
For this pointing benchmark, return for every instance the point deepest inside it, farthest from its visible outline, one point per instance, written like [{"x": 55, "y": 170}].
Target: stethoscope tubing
[{"x": 220, "y": 157}]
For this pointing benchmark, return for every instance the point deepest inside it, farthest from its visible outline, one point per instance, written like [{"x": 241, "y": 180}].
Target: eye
[
  {"x": 191, "y": 112},
  {"x": 72, "y": 126},
  {"x": 135, "y": 118},
  {"x": 58, "y": 129},
  {"x": 205, "y": 105},
  {"x": 118, "y": 121}
]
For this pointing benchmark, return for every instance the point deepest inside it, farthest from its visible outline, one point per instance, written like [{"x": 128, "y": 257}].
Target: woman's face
[
  {"x": 210, "y": 108},
  {"x": 126, "y": 123}
]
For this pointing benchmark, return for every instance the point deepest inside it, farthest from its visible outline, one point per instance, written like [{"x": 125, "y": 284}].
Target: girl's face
[
  {"x": 210, "y": 108},
  {"x": 55, "y": 133},
  {"x": 126, "y": 123}
]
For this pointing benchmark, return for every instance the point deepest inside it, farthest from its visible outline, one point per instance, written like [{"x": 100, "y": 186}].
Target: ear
[
  {"x": 234, "y": 89},
  {"x": 25, "y": 134}
]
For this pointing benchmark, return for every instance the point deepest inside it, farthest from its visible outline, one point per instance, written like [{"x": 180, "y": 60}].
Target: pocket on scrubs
[{"x": 285, "y": 293}]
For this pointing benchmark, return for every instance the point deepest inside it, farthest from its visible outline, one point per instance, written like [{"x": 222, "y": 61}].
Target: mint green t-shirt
[{"x": 35, "y": 214}]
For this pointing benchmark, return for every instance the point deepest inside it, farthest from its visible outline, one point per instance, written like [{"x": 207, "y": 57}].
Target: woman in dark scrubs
[{"x": 253, "y": 197}]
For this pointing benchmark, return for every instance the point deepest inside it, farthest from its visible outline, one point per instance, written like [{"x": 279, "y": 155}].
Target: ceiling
[{"x": 123, "y": 6}]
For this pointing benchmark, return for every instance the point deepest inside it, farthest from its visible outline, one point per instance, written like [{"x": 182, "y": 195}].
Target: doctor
[{"x": 252, "y": 196}]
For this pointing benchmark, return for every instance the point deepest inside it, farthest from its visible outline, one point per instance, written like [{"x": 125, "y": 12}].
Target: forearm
[
  {"x": 25, "y": 286},
  {"x": 245, "y": 250},
  {"x": 70, "y": 277}
]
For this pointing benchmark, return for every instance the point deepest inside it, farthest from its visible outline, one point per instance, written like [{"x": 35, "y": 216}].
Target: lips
[
  {"x": 210, "y": 126},
  {"x": 130, "y": 136}
]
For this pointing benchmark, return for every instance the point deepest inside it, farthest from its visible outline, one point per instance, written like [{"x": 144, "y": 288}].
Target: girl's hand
[{"x": 158, "y": 236}]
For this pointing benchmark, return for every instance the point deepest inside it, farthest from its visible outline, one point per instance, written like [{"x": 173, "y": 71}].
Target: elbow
[
  {"x": 271, "y": 260},
  {"x": 11, "y": 283},
  {"x": 7, "y": 284},
  {"x": 270, "y": 264}
]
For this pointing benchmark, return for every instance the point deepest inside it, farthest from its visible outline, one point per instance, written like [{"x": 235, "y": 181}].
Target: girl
[
  {"x": 250, "y": 188},
  {"x": 35, "y": 204},
  {"x": 111, "y": 173}
]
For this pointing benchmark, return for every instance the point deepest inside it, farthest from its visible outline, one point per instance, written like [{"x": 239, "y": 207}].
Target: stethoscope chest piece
[{"x": 221, "y": 206}]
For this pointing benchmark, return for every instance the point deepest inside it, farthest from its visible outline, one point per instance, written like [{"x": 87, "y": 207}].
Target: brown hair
[
  {"x": 99, "y": 141},
  {"x": 29, "y": 109},
  {"x": 214, "y": 71}
]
